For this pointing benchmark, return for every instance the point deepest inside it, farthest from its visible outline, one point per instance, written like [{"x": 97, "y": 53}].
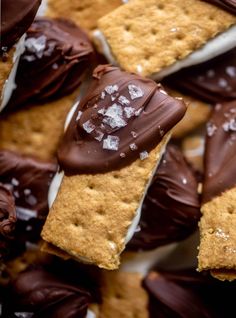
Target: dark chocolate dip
[{"x": 122, "y": 117}]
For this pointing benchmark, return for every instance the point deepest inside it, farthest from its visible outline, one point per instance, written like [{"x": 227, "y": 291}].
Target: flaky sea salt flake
[
  {"x": 111, "y": 143},
  {"x": 135, "y": 91},
  {"x": 111, "y": 89},
  {"x": 143, "y": 155},
  {"x": 36, "y": 45},
  {"x": 99, "y": 135},
  {"x": 133, "y": 146},
  {"x": 123, "y": 100},
  {"x": 129, "y": 112},
  {"x": 88, "y": 126},
  {"x": 211, "y": 129}
]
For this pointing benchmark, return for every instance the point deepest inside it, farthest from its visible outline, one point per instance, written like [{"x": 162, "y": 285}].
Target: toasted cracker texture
[
  {"x": 37, "y": 129},
  {"x": 148, "y": 36},
  {"x": 92, "y": 213},
  {"x": 197, "y": 114},
  {"x": 5, "y": 69},
  {"x": 193, "y": 150},
  {"x": 122, "y": 296},
  {"x": 217, "y": 250},
  {"x": 83, "y": 12}
]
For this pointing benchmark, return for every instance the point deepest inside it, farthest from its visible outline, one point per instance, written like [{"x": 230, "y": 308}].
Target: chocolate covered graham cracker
[
  {"x": 16, "y": 18},
  {"x": 84, "y": 12},
  {"x": 109, "y": 153},
  {"x": 57, "y": 56},
  {"x": 217, "y": 251},
  {"x": 154, "y": 37}
]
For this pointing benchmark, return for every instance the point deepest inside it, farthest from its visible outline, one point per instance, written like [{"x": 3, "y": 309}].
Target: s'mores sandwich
[
  {"x": 107, "y": 157},
  {"x": 217, "y": 250},
  {"x": 158, "y": 37}
]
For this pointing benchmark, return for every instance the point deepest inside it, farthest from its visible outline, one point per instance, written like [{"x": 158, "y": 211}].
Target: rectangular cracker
[
  {"x": 197, "y": 114},
  {"x": 83, "y": 12},
  {"x": 147, "y": 36},
  {"x": 123, "y": 296},
  {"x": 92, "y": 213},
  {"x": 217, "y": 250},
  {"x": 36, "y": 129}
]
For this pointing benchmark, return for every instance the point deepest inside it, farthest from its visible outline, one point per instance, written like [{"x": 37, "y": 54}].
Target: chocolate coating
[
  {"x": 121, "y": 116},
  {"x": 29, "y": 180},
  {"x": 57, "y": 55},
  {"x": 171, "y": 209},
  {"x": 220, "y": 151},
  {"x": 184, "y": 294},
  {"x": 228, "y": 5},
  {"x": 16, "y": 18},
  {"x": 212, "y": 81},
  {"x": 46, "y": 296}
]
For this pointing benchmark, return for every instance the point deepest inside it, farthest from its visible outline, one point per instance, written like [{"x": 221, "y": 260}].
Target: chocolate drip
[
  {"x": 187, "y": 293},
  {"x": 213, "y": 81},
  {"x": 57, "y": 55},
  {"x": 122, "y": 117},
  {"x": 16, "y": 17},
  {"x": 43, "y": 295},
  {"x": 228, "y": 5},
  {"x": 220, "y": 153},
  {"x": 171, "y": 209}
]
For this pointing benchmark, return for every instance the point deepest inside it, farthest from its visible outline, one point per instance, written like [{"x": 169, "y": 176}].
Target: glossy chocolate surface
[
  {"x": 16, "y": 18},
  {"x": 212, "y": 81},
  {"x": 57, "y": 55},
  {"x": 228, "y": 5},
  {"x": 187, "y": 293},
  {"x": 122, "y": 117},
  {"x": 220, "y": 153},
  {"x": 38, "y": 293},
  {"x": 171, "y": 209},
  {"x": 28, "y": 178}
]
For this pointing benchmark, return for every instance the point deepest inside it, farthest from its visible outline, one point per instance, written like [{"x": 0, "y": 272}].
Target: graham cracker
[
  {"x": 37, "y": 129},
  {"x": 83, "y": 12},
  {"x": 92, "y": 213},
  {"x": 217, "y": 250},
  {"x": 123, "y": 296},
  {"x": 148, "y": 36},
  {"x": 5, "y": 69},
  {"x": 197, "y": 114},
  {"x": 193, "y": 150}
]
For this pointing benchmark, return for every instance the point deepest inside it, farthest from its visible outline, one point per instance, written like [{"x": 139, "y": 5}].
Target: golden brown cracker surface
[
  {"x": 197, "y": 114},
  {"x": 122, "y": 296},
  {"x": 148, "y": 36},
  {"x": 92, "y": 213},
  {"x": 37, "y": 129},
  {"x": 217, "y": 250},
  {"x": 83, "y": 12}
]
